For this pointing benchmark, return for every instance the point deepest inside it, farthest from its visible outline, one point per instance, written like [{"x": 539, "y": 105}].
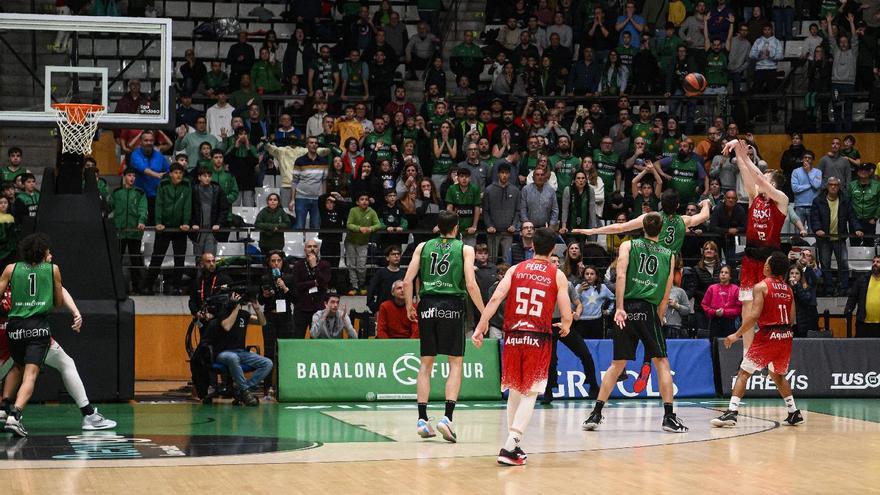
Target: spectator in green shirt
[
  {"x": 864, "y": 193},
  {"x": 266, "y": 74},
  {"x": 245, "y": 96},
  {"x": 464, "y": 199},
  {"x": 467, "y": 58},
  {"x": 13, "y": 170},
  {"x": 849, "y": 151},
  {"x": 128, "y": 206},
  {"x": 716, "y": 61},
  {"x": 215, "y": 79},
  {"x": 362, "y": 221}
]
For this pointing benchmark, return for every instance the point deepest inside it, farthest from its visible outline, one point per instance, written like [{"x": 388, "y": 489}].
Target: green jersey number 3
[{"x": 670, "y": 235}]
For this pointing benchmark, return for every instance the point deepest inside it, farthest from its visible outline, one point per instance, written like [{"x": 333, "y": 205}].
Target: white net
[{"x": 78, "y": 124}]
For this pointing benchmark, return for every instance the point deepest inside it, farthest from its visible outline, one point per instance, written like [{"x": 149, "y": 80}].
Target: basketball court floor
[{"x": 373, "y": 448}]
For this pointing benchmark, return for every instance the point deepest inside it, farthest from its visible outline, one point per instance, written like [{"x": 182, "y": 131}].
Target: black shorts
[
  {"x": 642, "y": 323},
  {"x": 29, "y": 339},
  {"x": 441, "y": 325}
]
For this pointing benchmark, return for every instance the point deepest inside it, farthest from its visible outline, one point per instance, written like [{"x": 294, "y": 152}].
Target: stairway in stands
[{"x": 471, "y": 17}]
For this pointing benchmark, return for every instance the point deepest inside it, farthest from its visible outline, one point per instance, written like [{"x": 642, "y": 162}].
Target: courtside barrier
[
  {"x": 818, "y": 368},
  {"x": 357, "y": 370},
  {"x": 690, "y": 360}
]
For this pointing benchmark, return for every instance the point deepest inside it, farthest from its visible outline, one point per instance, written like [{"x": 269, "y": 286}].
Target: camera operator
[
  {"x": 208, "y": 284},
  {"x": 276, "y": 296},
  {"x": 226, "y": 337},
  {"x": 312, "y": 277}
]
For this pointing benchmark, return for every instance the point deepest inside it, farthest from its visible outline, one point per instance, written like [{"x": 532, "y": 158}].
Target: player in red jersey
[
  {"x": 768, "y": 207},
  {"x": 773, "y": 310},
  {"x": 535, "y": 287}
]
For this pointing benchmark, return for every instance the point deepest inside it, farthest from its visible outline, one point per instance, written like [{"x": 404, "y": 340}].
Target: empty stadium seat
[
  {"x": 230, "y": 249},
  {"x": 181, "y": 29},
  {"x": 176, "y": 9},
  {"x": 201, "y": 10},
  {"x": 85, "y": 46},
  {"x": 248, "y": 213},
  {"x": 860, "y": 258},
  {"x": 794, "y": 49},
  {"x": 225, "y": 10},
  {"x": 271, "y": 181},
  {"x": 207, "y": 49}
]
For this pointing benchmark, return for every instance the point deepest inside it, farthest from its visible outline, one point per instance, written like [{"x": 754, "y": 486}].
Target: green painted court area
[{"x": 313, "y": 423}]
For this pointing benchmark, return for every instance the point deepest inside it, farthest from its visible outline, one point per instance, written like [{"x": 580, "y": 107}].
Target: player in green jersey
[
  {"x": 645, "y": 269},
  {"x": 444, "y": 267},
  {"x": 36, "y": 289},
  {"x": 671, "y": 235}
]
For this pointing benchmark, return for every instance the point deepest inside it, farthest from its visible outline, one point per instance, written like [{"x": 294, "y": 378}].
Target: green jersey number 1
[
  {"x": 32, "y": 284},
  {"x": 439, "y": 264}
]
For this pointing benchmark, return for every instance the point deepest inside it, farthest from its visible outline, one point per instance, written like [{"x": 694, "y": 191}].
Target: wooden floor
[{"x": 373, "y": 449}]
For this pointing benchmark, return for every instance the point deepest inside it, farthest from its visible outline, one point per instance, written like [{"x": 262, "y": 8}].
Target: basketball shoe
[
  {"x": 593, "y": 421},
  {"x": 671, "y": 423},
  {"x": 794, "y": 418},
  {"x": 726, "y": 420},
  {"x": 642, "y": 380},
  {"x": 424, "y": 429},
  {"x": 15, "y": 427},
  {"x": 96, "y": 421},
  {"x": 445, "y": 427},
  {"x": 512, "y": 458}
]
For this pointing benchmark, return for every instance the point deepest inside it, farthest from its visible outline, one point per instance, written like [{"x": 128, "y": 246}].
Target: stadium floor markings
[{"x": 367, "y": 448}]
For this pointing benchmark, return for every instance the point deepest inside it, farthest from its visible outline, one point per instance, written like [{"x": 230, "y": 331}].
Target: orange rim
[{"x": 77, "y": 112}]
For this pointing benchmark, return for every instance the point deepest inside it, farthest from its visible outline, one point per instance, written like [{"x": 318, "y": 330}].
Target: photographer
[
  {"x": 208, "y": 284},
  {"x": 312, "y": 278},
  {"x": 226, "y": 338},
  {"x": 276, "y": 296}
]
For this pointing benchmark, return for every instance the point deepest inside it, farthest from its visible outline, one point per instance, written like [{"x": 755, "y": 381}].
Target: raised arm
[
  {"x": 751, "y": 174},
  {"x": 615, "y": 228},
  {"x": 701, "y": 217}
]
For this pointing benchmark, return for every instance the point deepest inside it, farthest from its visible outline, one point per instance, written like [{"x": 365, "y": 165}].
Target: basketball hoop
[{"x": 78, "y": 123}]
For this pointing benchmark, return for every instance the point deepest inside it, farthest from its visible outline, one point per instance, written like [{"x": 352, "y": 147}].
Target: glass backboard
[{"x": 83, "y": 59}]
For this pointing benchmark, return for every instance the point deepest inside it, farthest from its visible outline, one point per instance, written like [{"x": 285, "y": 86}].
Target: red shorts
[
  {"x": 771, "y": 349},
  {"x": 751, "y": 272},
  {"x": 525, "y": 358}
]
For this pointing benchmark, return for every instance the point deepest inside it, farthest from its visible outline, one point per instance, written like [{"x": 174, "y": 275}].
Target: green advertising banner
[{"x": 357, "y": 370}]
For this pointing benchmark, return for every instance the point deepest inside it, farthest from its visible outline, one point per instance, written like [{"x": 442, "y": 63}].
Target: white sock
[
  {"x": 789, "y": 403},
  {"x": 734, "y": 403},
  {"x": 513, "y": 398},
  {"x": 524, "y": 413},
  {"x": 513, "y": 439}
]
